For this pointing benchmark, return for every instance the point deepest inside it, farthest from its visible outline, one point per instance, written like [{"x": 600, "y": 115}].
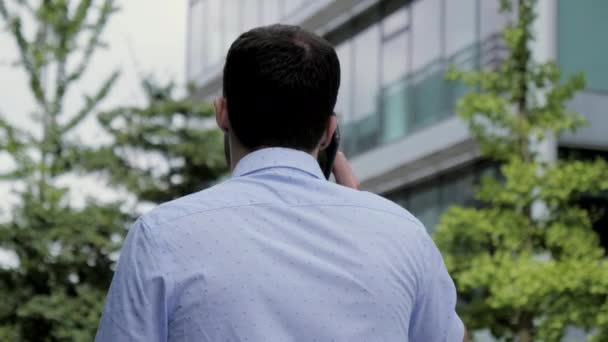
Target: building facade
[{"x": 396, "y": 110}]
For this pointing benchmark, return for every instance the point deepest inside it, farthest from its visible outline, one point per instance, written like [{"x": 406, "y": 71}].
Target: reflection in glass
[{"x": 426, "y": 30}]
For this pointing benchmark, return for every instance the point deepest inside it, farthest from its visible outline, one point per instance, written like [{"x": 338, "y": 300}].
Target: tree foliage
[
  {"x": 64, "y": 251},
  {"x": 526, "y": 274},
  {"x": 177, "y": 134}
]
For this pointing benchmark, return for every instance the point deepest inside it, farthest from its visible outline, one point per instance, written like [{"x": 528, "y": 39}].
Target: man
[{"x": 277, "y": 252}]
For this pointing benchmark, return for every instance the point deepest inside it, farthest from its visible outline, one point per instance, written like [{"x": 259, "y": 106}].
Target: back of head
[{"x": 280, "y": 84}]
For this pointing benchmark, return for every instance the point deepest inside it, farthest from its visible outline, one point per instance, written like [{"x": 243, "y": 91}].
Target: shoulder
[
  {"x": 211, "y": 199},
  {"x": 393, "y": 222},
  {"x": 381, "y": 204},
  {"x": 405, "y": 224}
]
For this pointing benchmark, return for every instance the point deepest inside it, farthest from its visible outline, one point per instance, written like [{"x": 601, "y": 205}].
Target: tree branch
[
  {"x": 91, "y": 103},
  {"x": 32, "y": 67},
  {"x": 94, "y": 40},
  {"x": 11, "y": 141},
  {"x": 80, "y": 16},
  {"x": 70, "y": 29}
]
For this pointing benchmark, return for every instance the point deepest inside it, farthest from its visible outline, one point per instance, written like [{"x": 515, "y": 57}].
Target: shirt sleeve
[
  {"x": 434, "y": 317},
  {"x": 135, "y": 308}
]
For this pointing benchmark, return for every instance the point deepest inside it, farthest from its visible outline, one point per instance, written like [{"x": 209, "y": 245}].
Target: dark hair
[{"x": 280, "y": 84}]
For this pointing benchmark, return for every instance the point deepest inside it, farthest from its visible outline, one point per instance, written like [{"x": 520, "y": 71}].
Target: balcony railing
[{"x": 419, "y": 99}]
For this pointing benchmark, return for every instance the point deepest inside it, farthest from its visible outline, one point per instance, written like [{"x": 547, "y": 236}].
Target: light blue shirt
[{"x": 277, "y": 253}]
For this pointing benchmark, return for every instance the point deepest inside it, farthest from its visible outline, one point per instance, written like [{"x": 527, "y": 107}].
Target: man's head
[{"x": 280, "y": 88}]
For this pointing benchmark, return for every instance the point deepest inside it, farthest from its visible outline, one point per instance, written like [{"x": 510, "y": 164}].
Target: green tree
[
  {"x": 64, "y": 250},
  {"x": 177, "y": 134},
  {"x": 526, "y": 274}
]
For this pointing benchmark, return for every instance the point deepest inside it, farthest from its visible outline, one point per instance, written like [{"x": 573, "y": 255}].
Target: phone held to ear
[{"x": 328, "y": 155}]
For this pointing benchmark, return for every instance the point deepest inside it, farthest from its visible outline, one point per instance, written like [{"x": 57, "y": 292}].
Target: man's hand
[{"x": 344, "y": 172}]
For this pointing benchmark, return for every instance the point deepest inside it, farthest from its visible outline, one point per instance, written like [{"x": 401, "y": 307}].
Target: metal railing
[{"x": 419, "y": 99}]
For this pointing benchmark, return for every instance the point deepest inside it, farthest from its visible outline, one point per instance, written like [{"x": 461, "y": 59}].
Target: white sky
[{"x": 156, "y": 32}]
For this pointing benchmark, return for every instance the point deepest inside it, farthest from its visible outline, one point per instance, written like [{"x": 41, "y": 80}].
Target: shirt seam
[
  {"x": 204, "y": 211},
  {"x": 265, "y": 168}
]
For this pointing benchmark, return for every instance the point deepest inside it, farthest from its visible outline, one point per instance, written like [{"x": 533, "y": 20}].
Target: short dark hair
[{"x": 280, "y": 84}]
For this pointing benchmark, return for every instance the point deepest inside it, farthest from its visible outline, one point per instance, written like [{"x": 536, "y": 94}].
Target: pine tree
[
  {"x": 526, "y": 274},
  {"x": 65, "y": 251}
]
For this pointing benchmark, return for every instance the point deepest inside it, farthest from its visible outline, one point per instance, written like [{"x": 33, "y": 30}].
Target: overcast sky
[
  {"x": 155, "y": 29},
  {"x": 146, "y": 36}
]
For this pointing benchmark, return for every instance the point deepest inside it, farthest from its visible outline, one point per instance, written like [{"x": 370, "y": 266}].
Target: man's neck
[
  {"x": 235, "y": 157},
  {"x": 238, "y": 152}
]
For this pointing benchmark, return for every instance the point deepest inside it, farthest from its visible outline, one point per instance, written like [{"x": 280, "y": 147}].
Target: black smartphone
[{"x": 328, "y": 155}]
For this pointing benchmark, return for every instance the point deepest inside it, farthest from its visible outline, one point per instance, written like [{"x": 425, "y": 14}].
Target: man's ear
[
  {"x": 221, "y": 114},
  {"x": 332, "y": 124}
]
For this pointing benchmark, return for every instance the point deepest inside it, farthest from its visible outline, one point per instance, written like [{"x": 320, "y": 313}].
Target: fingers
[{"x": 344, "y": 172}]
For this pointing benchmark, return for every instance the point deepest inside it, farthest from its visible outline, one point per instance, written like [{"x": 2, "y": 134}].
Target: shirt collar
[{"x": 277, "y": 157}]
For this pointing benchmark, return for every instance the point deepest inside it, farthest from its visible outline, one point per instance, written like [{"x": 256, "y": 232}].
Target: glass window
[
  {"x": 429, "y": 201},
  {"x": 458, "y": 191},
  {"x": 366, "y": 54},
  {"x": 215, "y": 46},
  {"x": 343, "y": 105},
  {"x": 232, "y": 21},
  {"x": 251, "y": 14},
  {"x": 396, "y": 111},
  {"x": 394, "y": 84},
  {"x": 426, "y": 32},
  {"x": 424, "y": 204},
  {"x": 271, "y": 12},
  {"x": 196, "y": 44},
  {"x": 395, "y": 58},
  {"x": 428, "y": 101},
  {"x": 396, "y": 21},
  {"x": 491, "y": 21},
  {"x": 460, "y": 25},
  {"x": 581, "y": 28}
]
